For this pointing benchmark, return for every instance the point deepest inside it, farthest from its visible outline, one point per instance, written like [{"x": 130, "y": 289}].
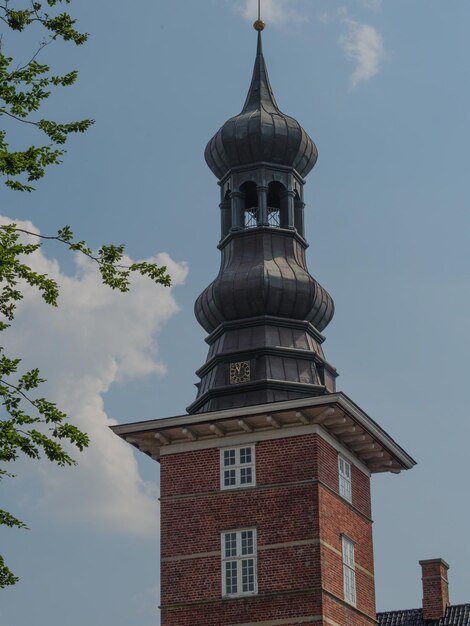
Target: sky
[{"x": 382, "y": 88}]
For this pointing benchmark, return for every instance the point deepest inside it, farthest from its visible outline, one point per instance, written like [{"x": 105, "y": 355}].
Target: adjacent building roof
[{"x": 457, "y": 615}]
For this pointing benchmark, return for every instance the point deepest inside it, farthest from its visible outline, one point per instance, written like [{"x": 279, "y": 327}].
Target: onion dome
[
  {"x": 261, "y": 132},
  {"x": 264, "y": 274}
]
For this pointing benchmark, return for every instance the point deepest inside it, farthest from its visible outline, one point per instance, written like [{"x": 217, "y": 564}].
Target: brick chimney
[{"x": 435, "y": 588}]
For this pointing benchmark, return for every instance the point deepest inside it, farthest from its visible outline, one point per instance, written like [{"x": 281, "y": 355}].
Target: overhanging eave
[{"x": 336, "y": 413}]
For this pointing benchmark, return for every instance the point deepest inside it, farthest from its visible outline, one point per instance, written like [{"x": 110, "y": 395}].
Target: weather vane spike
[{"x": 259, "y": 24}]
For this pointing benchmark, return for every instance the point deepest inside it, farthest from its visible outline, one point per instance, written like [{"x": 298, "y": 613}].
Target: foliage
[
  {"x": 24, "y": 88},
  {"x": 31, "y": 425},
  {"x": 34, "y": 426}
]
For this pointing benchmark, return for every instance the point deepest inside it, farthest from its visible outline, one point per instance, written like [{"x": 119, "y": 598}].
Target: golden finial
[{"x": 259, "y": 25}]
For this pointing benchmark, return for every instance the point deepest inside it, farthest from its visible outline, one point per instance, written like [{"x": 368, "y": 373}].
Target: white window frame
[
  {"x": 345, "y": 478},
  {"x": 349, "y": 570},
  {"x": 238, "y": 559},
  {"x": 237, "y": 467}
]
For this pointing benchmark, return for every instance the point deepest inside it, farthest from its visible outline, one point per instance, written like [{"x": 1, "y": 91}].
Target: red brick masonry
[
  {"x": 300, "y": 519},
  {"x": 435, "y": 588}
]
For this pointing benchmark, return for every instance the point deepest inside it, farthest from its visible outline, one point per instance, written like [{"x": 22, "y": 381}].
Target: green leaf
[
  {"x": 7, "y": 577},
  {"x": 7, "y": 519}
]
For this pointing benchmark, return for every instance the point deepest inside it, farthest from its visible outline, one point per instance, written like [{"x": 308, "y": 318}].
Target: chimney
[{"x": 435, "y": 588}]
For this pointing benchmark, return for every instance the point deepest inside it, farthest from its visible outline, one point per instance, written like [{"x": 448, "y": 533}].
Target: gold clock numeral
[{"x": 239, "y": 372}]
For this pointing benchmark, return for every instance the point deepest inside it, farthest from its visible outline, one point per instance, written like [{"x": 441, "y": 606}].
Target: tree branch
[
  {"x": 69, "y": 243},
  {"x": 18, "y": 119},
  {"x": 33, "y": 58},
  {"x": 4, "y": 382}
]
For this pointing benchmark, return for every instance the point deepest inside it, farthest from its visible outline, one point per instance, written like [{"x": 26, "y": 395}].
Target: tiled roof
[{"x": 458, "y": 615}]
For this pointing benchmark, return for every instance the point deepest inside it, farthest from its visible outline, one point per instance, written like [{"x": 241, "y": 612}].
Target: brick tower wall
[{"x": 299, "y": 518}]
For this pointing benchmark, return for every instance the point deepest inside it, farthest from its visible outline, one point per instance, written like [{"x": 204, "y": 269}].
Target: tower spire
[
  {"x": 259, "y": 25},
  {"x": 264, "y": 312},
  {"x": 260, "y": 94},
  {"x": 261, "y": 132}
]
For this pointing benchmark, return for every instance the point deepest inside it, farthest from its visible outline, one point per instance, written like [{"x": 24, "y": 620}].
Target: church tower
[{"x": 265, "y": 482}]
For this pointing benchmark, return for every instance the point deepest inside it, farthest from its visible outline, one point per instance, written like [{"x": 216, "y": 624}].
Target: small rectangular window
[
  {"x": 237, "y": 467},
  {"x": 239, "y": 562},
  {"x": 345, "y": 488},
  {"x": 349, "y": 571}
]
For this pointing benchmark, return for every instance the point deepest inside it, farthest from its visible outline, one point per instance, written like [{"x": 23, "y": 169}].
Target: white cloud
[
  {"x": 272, "y": 11},
  {"x": 363, "y": 45},
  {"x": 95, "y": 338}
]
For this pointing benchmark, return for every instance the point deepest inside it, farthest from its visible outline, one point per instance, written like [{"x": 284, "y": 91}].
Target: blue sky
[{"x": 382, "y": 87}]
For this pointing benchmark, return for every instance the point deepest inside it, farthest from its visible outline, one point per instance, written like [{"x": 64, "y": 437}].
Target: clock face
[{"x": 239, "y": 372}]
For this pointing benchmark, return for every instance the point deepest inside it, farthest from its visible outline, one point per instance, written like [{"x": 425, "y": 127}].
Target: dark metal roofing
[
  {"x": 457, "y": 615},
  {"x": 269, "y": 311},
  {"x": 261, "y": 132},
  {"x": 263, "y": 309},
  {"x": 264, "y": 272}
]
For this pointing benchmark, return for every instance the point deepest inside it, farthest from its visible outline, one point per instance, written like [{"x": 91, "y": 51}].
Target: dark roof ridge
[
  {"x": 451, "y": 606},
  {"x": 401, "y": 610},
  {"x": 455, "y": 615}
]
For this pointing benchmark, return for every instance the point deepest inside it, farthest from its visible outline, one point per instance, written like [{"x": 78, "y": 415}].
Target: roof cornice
[{"x": 335, "y": 412}]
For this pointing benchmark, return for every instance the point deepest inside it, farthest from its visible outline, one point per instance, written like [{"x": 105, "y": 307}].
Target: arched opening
[
  {"x": 249, "y": 205},
  {"x": 277, "y": 206},
  {"x": 299, "y": 214}
]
